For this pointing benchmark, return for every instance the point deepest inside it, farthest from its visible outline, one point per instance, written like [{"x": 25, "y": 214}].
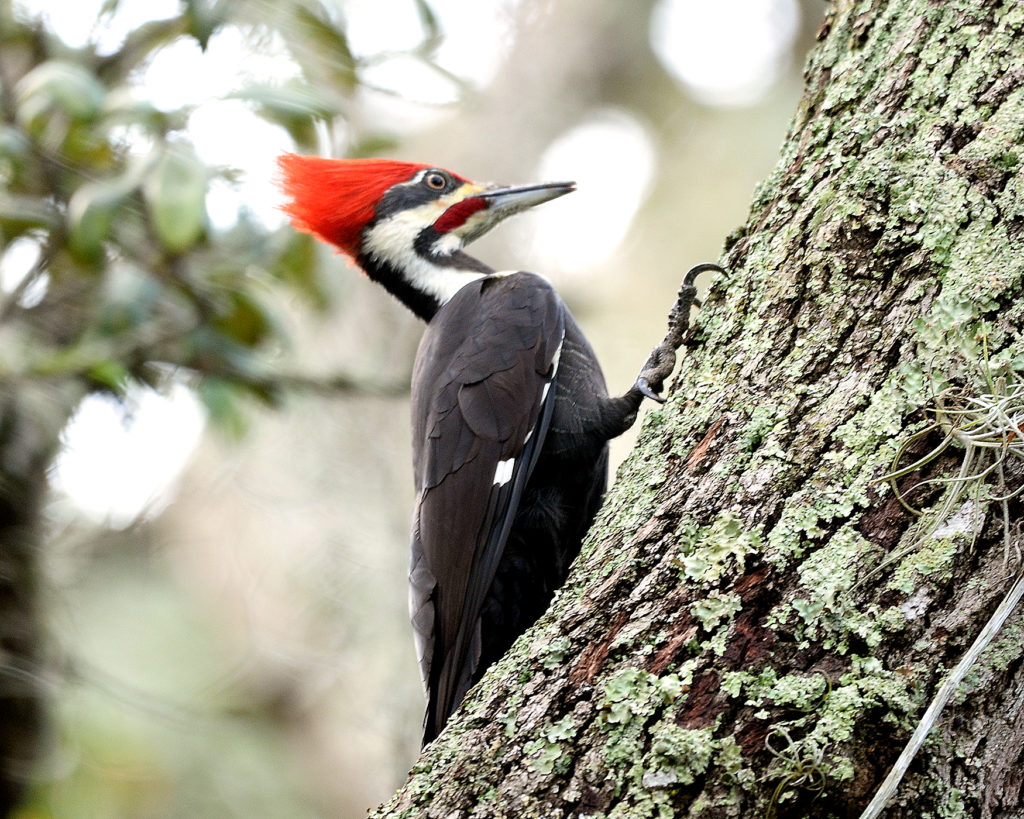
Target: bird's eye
[{"x": 436, "y": 181}]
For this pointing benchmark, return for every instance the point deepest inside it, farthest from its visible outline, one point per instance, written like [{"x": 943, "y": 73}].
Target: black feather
[{"x": 491, "y": 348}]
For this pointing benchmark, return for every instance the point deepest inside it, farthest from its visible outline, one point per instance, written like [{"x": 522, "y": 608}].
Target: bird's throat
[{"x": 424, "y": 283}]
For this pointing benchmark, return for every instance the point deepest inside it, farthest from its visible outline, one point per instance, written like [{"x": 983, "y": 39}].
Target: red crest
[{"x": 334, "y": 199}]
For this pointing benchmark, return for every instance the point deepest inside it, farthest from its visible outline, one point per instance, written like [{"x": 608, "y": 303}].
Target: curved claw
[
  {"x": 697, "y": 269},
  {"x": 645, "y": 388}
]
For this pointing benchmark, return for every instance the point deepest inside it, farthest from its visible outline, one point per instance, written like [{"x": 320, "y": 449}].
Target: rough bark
[{"x": 733, "y": 640}]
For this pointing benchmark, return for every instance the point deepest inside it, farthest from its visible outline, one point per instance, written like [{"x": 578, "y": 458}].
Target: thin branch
[{"x": 334, "y": 384}]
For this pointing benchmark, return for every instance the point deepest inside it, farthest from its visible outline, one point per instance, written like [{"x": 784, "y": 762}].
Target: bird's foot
[
  {"x": 659, "y": 367},
  {"x": 662, "y": 359}
]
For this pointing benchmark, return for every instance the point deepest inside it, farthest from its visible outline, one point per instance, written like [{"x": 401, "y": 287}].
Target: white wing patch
[
  {"x": 503, "y": 472},
  {"x": 550, "y": 381},
  {"x": 556, "y": 356},
  {"x": 554, "y": 370}
]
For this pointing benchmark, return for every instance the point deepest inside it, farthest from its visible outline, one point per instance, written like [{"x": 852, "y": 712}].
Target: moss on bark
[{"x": 723, "y": 646}]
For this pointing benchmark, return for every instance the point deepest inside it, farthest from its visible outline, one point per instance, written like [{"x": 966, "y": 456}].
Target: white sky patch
[
  {"x": 253, "y": 155},
  {"x": 183, "y": 74},
  {"x": 726, "y": 52},
  {"x": 119, "y": 462},
  {"x": 16, "y": 262},
  {"x": 407, "y": 94},
  {"x": 76, "y": 22},
  {"x": 226, "y": 132},
  {"x": 476, "y": 38},
  {"x": 611, "y": 158}
]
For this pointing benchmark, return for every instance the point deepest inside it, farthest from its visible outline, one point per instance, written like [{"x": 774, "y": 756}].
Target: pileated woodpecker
[{"x": 510, "y": 414}]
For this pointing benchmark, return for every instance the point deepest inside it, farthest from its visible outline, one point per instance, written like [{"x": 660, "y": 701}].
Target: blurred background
[{"x": 224, "y": 552}]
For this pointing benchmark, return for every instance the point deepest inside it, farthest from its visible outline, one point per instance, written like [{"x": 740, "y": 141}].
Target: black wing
[{"x": 482, "y": 401}]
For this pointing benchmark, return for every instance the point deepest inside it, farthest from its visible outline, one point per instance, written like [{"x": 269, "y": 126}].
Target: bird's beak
[
  {"x": 502, "y": 202},
  {"x": 491, "y": 205}
]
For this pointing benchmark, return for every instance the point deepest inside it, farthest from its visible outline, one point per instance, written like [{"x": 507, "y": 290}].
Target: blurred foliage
[
  {"x": 130, "y": 282},
  {"x": 247, "y": 653},
  {"x": 113, "y": 276}
]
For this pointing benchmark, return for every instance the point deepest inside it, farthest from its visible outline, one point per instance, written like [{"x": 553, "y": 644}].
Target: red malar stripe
[{"x": 456, "y": 216}]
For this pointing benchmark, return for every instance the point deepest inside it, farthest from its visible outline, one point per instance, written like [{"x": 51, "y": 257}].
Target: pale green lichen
[
  {"x": 730, "y": 759},
  {"x": 542, "y": 755},
  {"x": 799, "y": 692},
  {"x": 633, "y": 692},
  {"x": 564, "y": 729},
  {"x": 716, "y": 608},
  {"x": 508, "y": 716},
  {"x": 808, "y": 610},
  {"x": 755, "y": 686},
  {"x": 683, "y": 753},
  {"x": 708, "y": 552},
  {"x": 996, "y": 659},
  {"x": 953, "y": 806},
  {"x": 546, "y": 754},
  {"x": 932, "y": 560},
  {"x": 829, "y": 716},
  {"x": 554, "y": 652},
  {"x": 794, "y": 691}
]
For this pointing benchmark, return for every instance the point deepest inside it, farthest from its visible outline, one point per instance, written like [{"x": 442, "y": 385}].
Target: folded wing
[{"x": 483, "y": 394}]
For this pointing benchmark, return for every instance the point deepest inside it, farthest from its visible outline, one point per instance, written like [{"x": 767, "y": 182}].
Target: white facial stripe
[
  {"x": 448, "y": 243},
  {"x": 416, "y": 179},
  {"x": 392, "y": 240}
]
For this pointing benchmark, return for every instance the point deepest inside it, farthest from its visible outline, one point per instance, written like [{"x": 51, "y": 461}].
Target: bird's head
[{"x": 395, "y": 212}]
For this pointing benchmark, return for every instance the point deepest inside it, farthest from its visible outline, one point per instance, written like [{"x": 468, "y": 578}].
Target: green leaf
[
  {"x": 221, "y": 399},
  {"x": 91, "y": 213},
  {"x": 13, "y": 144},
  {"x": 297, "y": 265},
  {"x": 123, "y": 107},
  {"x": 204, "y": 17},
  {"x": 175, "y": 194},
  {"x": 295, "y": 106},
  {"x": 58, "y": 85},
  {"x": 332, "y": 48},
  {"x": 131, "y": 297},
  {"x": 111, "y": 374},
  {"x": 373, "y": 145},
  {"x": 109, "y": 8},
  {"x": 432, "y": 34},
  {"x": 19, "y": 214},
  {"x": 247, "y": 322}
]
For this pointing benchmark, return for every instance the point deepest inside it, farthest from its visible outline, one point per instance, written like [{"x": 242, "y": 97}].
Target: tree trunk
[
  {"x": 756, "y": 624},
  {"x": 31, "y": 418}
]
